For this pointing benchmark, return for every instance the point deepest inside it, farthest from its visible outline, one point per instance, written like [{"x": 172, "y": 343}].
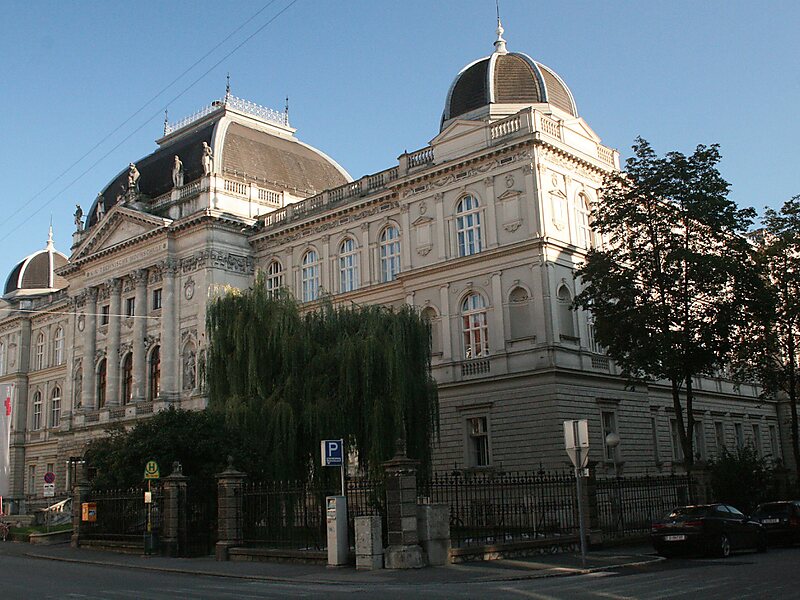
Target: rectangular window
[
  {"x": 677, "y": 451},
  {"x": 478, "y": 442},
  {"x": 157, "y": 299},
  {"x": 719, "y": 437},
  {"x": 130, "y": 307},
  {"x": 699, "y": 441},
  {"x": 757, "y": 439},
  {"x": 55, "y": 411},
  {"x": 31, "y": 480},
  {"x": 654, "y": 439},
  {"x": 773, "y": 442},
  {"x": 609, "y": 426},
  {"x": 739, "y": 431},
  {"x": 104, "y": 311}
]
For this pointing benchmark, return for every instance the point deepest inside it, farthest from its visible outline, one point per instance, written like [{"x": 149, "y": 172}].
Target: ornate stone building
[{"x": 481, "y": 230}]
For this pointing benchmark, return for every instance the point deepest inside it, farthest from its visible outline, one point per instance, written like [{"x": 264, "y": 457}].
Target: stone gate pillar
[
  {"x": 173, "y": 527},
  {"x": 80, "y": 494},
  {"x": 230, "y": 484},
  {"x": 404, "y": 551}
]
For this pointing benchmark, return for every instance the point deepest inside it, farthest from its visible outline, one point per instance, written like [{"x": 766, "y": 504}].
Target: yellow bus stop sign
[{"x": 151, "y": 470}]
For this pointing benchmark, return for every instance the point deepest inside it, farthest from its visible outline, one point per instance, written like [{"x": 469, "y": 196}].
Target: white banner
[{"x": 6, "y": 398}]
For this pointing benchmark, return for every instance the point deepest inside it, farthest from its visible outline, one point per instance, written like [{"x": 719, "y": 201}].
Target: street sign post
[
  {"x": 576, "y": 441},
  {"x": 151, "y": 472}
]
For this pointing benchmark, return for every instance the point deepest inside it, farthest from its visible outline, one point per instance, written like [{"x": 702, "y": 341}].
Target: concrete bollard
[
  {"x": 369, "y": 543},
  {"x": 433, "y": 525}
]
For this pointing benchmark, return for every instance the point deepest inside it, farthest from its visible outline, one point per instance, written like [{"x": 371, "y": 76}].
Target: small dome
[
  {"x": 506, "y": 78},
  {"x": 36, "y": 273}
]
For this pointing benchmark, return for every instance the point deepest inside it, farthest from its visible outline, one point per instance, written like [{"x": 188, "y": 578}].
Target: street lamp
[{"x": 612, "y": 442}]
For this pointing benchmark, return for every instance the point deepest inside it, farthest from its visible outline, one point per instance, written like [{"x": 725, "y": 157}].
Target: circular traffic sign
[{"x": 49, "y": 477}]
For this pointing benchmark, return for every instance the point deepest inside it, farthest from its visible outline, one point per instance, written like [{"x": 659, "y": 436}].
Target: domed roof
[
  {"x": 36, "y": 273},
  {"x": 506, "y": 78}
]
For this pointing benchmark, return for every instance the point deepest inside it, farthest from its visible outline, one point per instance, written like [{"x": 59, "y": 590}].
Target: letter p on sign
[{"x": 332, "y": 453}]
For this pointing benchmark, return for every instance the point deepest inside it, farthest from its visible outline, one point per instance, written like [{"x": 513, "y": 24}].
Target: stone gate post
[
  {"x": 173, "y": 533},
  {"x": 230, "y": 484},
  {"x": 80, "y": 494},
  {"x": 404, "y": 551}
]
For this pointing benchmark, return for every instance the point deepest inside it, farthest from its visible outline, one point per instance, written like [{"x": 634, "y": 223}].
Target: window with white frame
[
  {"x": 757, "y": 439},
  {"x": 609, "y": 422},
  {"x": 39, "y": 356},
  {"x": 773, "y": 442},
  {"x": 390, "y": 253},
  {"x": 478, "y": 442},
  {"x": 566, "y": 317},
  {"x": 739, "y": 431},
  {"x": 130, "y": 307},
  {"x": 699, "y": 441},
  {"x": 719, "y": 437},
  {"x": 36, "y": 420},
  {"x": 468, "y": 226},
  {"x": 55, "y": 407},
  {"x": 582, "y": 219},
  {"x": 348, "y": 265},
  {"x": 274, "y": 276},
  {"x": 309, "y": 276},
  {"x": 474, "y": 326},
  {"x": 58, "y": 347}
]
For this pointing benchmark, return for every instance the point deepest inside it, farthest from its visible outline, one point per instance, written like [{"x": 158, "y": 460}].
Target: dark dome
[
  {"x": 506, "y": 78},
  {"x": 36, "y": 273}
]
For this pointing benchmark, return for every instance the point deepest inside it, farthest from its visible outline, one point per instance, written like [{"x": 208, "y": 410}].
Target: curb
[{"x": 555, "y": 571}]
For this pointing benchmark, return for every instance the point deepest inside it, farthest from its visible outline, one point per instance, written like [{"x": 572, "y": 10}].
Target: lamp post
[{"x": 612, "y": 442}]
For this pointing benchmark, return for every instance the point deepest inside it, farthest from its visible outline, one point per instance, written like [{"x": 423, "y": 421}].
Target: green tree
[
  {"x": 774, "y": 349},
  {"x": 740, "y": 478},
  {"x": 285, "y": 380},
  {"x": 674, "y": 278},
  {"x": 196, "y": 439}
]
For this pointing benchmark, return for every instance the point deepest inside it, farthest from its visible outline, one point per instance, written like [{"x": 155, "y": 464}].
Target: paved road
[{"x": 744, "y": 576}]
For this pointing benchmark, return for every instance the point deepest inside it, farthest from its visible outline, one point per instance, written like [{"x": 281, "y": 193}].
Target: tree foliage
[
  {"x": 674, "y": 279},
  {"x": 741, "y": 478},
  {"x": 286, "y": 380},
  {"x": 196, "y": 439}
]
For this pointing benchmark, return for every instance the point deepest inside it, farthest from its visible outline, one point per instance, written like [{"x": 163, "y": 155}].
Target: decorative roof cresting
[{"x": 239, "y": 104}]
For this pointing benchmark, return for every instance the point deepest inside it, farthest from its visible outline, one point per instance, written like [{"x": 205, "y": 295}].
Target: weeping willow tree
[{"x": 286, "y": 380}]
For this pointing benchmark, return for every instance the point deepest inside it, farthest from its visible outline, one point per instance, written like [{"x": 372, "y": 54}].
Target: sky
[{"x": 85, "y": 84}]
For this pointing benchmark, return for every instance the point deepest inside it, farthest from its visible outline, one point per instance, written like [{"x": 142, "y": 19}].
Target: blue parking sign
[{"x": 332, "y": 453}]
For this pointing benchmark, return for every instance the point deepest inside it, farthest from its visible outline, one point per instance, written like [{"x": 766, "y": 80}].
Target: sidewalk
[{"x": 474, "y": 572}]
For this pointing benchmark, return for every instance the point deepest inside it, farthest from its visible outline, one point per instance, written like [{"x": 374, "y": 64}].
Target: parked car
[
  {"x": 715, "y": 529},
  {"x": 781, "y": 520}
]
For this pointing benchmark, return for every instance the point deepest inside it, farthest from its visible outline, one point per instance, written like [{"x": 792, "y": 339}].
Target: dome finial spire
[
  {"x": 500, "y": 43},
  {"x": 50, "y": 245}
]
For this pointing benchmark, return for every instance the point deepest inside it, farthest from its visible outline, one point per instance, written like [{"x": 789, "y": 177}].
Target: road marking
[{"x": 529, "y": 594}]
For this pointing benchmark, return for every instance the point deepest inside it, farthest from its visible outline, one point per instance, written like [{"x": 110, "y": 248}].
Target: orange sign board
[{"x": 89, "y": 512}]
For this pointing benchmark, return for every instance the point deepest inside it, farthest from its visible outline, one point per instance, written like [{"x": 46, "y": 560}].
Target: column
[
  {"x": 89, "y": 350},
  {"x": 497, "y": 341},
  {"x": 405, "y": 239},
  {"x": 490, "y": 225},
  {"x": 139, "y": 365},
  {"x": 444, "y": 308},
  {"x": 112, "y": 351},
  {"x": 169, "y": 342},
  {"x": 441, "y": 239}
]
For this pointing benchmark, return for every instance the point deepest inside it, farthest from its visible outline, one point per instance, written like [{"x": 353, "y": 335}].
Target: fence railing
[
  {"x": 122, "y": 514},
  {"x": 490, "y": 509},
  {"x": 626, "y": 506},
  {"x": 291, "y": 514}
]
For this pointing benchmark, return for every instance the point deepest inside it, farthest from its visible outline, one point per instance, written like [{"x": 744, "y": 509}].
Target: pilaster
[
  {"x": 89, "y": 349},
  {"x": 139, "y": 365},
  {"x": 112, "y": 356}
]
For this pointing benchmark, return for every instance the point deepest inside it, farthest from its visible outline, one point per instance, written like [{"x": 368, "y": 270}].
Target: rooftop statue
[
  {"x": 208, "y": 159},
  {"x": 78, "y": 218},
  {"x": 177, "y": 173},
  {"x": 133, "y": 178}
]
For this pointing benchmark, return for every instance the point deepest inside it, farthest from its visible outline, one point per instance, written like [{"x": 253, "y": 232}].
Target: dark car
[
  {"x": 715, "y": 529},
  {"x": 781, "y": 520}
]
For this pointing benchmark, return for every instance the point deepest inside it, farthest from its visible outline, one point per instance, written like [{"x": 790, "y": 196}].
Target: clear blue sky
[{"x": 367, "y": 79}]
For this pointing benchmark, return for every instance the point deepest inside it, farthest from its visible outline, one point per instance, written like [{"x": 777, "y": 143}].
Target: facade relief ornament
[
  {"x": 509, "y": 181},
  {"x": 188, "y": 288},
  {"x": 139, "y": 276},
  {"x": 81, "y": 322},
  {"x": 151, "y": 340},
  {"x": 423, "y": 208},
  {"x": 488, "y": 181}
]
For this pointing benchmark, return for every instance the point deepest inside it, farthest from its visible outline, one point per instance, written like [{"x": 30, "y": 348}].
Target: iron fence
[
  {"x": 291, "y": 514},
  {"x": 123, "y": 515},
  {"x": 490, "y": 508},
  {"x": 626, "y": 506}
]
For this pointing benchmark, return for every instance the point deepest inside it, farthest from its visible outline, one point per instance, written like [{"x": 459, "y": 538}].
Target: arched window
[
  {"x": 127, "y": 378},
  {"x": 468, "y": 226},
  {"x": 309, "y": 276},
  {"x": 155, "y": 373},
  {"x": 55, "y": 407},
  {"x": 58, "y": 347},
  {"x": 390, "y": 253},
  {"x": 38, "y": 361},
  {"x": 582, "y": 219},
  {"x": 429, "y": 315},
  {"x": 274, "y": 276},
  {"x": 566, "y": 318},
  {"x": 101, "y": 384},
  {"x": 2, "y": 358},
  {"x": 348, "y": 265},
  {"x": 36, "y": 421},
  {"x": 474, "y": 326},
  {"x": 519, "y": 313}
]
